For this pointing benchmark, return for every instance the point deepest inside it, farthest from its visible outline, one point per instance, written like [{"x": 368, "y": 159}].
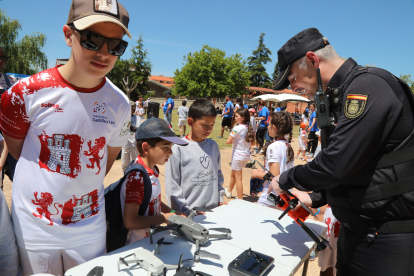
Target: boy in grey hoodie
[{"x": 193, "y": 176}]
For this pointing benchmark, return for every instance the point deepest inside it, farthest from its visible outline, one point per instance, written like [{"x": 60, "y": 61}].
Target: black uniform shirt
[{"x": 382, "y": 126}]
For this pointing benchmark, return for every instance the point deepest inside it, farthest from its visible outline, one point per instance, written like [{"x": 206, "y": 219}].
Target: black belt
[{"x": 372, "y": 228}]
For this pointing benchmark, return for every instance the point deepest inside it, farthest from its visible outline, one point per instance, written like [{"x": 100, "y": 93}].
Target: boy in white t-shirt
[
  {"x": 182, "y": 118},
  {"x": 154, "y": 141},
  {"x": 66, "y": 126}
]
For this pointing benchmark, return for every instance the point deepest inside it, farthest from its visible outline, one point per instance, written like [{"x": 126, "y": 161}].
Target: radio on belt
[{"x": 250, "y": 263}]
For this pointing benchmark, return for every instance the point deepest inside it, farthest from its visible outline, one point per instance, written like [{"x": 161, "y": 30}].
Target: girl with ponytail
[
  {"x": 241, "y": 137},
  {"x": 279, "y": 156}
]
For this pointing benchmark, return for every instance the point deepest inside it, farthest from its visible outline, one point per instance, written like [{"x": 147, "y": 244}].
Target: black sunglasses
[
  {"x": 4, "y": 58},
  {"x": 93, "y": 41}
]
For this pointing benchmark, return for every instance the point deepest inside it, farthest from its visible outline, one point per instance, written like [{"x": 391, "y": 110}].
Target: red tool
[{"x": 288, "y": 203}]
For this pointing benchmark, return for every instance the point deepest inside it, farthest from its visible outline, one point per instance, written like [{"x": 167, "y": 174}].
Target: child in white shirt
[
  {"x": 140, "y": 114},
  {"x": 279, "y": 154},
  {"x": 241, "y": 137},
  {"x": 302, "y": 141}
]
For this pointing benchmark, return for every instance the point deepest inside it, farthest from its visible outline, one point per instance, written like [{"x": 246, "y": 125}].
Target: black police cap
[{"x": 294, "y": 49}]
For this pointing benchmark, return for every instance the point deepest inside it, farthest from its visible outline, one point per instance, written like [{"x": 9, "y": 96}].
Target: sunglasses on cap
[{"x": 93, "y": 41}]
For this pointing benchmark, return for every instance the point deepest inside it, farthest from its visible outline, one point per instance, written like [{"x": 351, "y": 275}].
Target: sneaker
[
  {"x": 310, "y": 155},
  {"x": 250, "y": 164},
  {"x": 227, "y": 193},
  {"x": 312, "y": 256},
  {"x": 307, "y": 154},
  {"x": 261, "y": 151},
  {"x": 219, "y": 137}
]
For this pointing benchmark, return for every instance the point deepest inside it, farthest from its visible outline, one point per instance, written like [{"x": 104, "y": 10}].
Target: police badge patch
[{"x": 355, "y": 105}]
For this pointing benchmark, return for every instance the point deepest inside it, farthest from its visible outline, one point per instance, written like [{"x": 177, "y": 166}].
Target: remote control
[{"x": 250, "y": 263}]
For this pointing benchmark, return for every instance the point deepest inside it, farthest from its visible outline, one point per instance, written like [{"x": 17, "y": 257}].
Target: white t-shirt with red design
[
  {"x": 132, "y": 191},
  {"x": 58, "y": 194},
  {"x": 276, "y": 153}
]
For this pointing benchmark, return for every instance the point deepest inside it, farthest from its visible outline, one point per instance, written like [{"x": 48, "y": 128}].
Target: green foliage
[
  {"x": 276, "y": 72},
  {"x": 261, "y": 56},
  {"x": 117, "y": 73},
  {"x": 132, "y": 74},
  {"x": 210, "y": 72},
  {"x": 408, "y": 80},
  {"x": 25, "y": 55},
  {"x": 142, "y": 66}
]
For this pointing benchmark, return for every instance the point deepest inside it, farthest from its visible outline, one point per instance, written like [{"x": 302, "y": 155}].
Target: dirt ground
[{"x": 116, "y": 173}]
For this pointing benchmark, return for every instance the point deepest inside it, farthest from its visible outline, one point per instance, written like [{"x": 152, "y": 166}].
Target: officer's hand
[
  {"x": 304, "y": 197},
  {"x": 274, "y": 186}
]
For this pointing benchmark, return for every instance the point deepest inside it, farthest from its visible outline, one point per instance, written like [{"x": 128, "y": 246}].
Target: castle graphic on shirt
[
  {"x": 82, "y": 208},
  {"x": 77, "y": 209},
  {"x": 59, "y": 154}
]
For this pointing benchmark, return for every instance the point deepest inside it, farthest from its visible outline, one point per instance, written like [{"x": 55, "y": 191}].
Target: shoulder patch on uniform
[{"x": 355, "y": 105}]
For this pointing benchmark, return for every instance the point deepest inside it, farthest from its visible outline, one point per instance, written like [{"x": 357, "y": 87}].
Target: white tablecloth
[{"x": 252, "y": 226}]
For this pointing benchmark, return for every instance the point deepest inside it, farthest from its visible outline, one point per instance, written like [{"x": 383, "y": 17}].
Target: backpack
[{"x": 116, "y": 233}]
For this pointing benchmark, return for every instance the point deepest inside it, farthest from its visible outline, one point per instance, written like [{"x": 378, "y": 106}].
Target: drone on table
[
  {"x": 288, "y": 203},
  {"x": 193, "y": 231},
  {"x": 153, "y": 265}
]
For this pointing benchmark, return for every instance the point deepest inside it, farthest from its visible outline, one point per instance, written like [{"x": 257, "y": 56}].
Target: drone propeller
[
  {"x": 179, "y": 263},
  {"x": 301, "y": 203},
  {"x": 123, "y": 259},
  {"x": 161, "y": 241},
  {"x": 321, "y": 242},
  {"x": 205, "y": 254},
  {"x": 292, "y": 205},
  {"x": 155, "y": 229}
]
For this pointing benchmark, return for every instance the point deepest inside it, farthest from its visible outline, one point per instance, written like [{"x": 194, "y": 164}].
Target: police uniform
[{"x": 366, "y": 171}]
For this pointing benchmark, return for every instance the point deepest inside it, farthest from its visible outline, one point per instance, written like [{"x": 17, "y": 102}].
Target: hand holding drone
[
  {"x": 193, "y": 231},
  {"x": 288, "y": 202}
]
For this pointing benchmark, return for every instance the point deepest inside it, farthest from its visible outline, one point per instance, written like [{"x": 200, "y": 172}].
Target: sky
[{"x": 377, "y": 32}]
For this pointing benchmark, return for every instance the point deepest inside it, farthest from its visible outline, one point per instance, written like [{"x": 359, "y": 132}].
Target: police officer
[{"x": 366, "y": 170}]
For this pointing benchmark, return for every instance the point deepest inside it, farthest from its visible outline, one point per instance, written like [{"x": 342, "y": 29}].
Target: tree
[
  {"x": 276, "y": 72},
  {"x": 209, "y": 72},
  {"x": 25, "y": 55},
  {"x": 259, "y": 77},
  {"x": 408, "y": 80},
  {"x": 133, "y": 73},
  {"x": 140, "y": 66}
]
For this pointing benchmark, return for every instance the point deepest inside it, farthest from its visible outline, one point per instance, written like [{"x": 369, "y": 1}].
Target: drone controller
[{"x": 250, "y": 263}]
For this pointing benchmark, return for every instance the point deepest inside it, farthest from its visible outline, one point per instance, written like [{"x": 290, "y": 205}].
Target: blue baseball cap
[{"x": 157, "y": 128}]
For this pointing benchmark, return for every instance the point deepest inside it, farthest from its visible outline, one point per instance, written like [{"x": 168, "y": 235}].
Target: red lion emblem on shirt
[
  {"x": 44, "y": 202},
  {"x": 94, "y": 152}
]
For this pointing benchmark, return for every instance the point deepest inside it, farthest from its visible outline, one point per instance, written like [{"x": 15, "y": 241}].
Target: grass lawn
[{"x": 217, "y": 129}]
